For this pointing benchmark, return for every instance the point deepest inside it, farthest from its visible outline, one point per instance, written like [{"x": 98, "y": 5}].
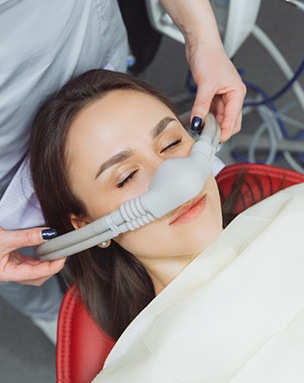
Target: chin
[{"x": 202, "y": 242}]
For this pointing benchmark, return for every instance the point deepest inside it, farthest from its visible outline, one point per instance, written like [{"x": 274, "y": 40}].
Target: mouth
[{"x": 190, "y": 210}]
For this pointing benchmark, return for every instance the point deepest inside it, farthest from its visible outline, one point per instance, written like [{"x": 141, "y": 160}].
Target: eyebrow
[
  {"x": 116, "y": 159},
  {"x": 161, "y": 126},
  {"x": 125, "y": 154}
]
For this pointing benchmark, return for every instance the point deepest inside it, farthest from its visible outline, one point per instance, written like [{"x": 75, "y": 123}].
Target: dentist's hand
[
  {"x": 15, "y": 267},
  {"x": 219, "y": 88}
]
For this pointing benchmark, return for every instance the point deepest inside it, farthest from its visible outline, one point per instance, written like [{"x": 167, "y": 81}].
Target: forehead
[
  {"x": 123, "y": 100},
  {"x": 121, "y": 107},
  {"x": 118, "y": 116}
]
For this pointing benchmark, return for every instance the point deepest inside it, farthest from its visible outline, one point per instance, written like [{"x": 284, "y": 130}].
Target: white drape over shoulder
[{"x": 235, "y": 314}]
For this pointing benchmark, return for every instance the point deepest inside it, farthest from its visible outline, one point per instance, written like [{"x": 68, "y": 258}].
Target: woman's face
[{"x": 113, "y": 149}]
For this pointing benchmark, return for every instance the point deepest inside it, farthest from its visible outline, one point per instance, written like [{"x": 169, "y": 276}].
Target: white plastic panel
[{"x": 235, "y": 19}]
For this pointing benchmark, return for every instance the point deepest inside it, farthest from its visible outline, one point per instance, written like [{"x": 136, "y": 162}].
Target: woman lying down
[{"x": 186, "y": 300}]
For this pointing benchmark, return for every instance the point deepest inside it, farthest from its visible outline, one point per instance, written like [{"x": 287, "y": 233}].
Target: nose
[
  {"x": 180, "y": 179},
  {"x": 152, "y": 163},
  {"x": 155, "y": 160}
]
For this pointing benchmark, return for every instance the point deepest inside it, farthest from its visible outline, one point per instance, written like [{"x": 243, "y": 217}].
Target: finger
[
  {"x": 218, "y": 108},
  {"x": 14, "y": 239},
  {"x": 231, "y": 122},
  {"x": 41, "y": 279},
  {"x": 35, "y": 282},
  {"x": 34, "y": 274},
  {"x": 202, "y": 102}
]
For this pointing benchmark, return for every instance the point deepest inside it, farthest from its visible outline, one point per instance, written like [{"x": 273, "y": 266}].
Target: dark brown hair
[{"x": 113, "y": 284}]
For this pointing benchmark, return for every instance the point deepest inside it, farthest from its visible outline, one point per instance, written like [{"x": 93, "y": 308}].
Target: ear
[{"x": 79, "y": 221}]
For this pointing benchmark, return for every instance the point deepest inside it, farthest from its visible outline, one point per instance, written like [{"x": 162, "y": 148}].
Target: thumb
[{"x": 202, "y": 103}]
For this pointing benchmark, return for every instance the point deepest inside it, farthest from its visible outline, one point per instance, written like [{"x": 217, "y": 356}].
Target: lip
[{"x": 190, "y": 210}]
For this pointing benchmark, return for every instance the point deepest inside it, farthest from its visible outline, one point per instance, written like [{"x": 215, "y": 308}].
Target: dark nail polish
[
  {"x": 67, "y": 260},
  {"x": 48, "y": 233},
  {"x": 196, "y": 124}
]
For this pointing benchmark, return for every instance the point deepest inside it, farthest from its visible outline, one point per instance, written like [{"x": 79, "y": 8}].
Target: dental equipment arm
[{"x": 176, "y": 181}]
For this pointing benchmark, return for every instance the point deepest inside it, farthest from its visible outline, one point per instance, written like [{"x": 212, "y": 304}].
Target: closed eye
[
  {"x": 172, "y": 145},
  {"x": 127, "y": 179}
]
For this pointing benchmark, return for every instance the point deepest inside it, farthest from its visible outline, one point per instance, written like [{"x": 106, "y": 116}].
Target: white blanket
[{"x": 235, "y": 314}]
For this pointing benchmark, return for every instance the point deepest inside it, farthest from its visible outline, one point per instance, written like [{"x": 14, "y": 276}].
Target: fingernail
[
  {"x": 196, "y": 124},
  {"x": 67, "y": 260},
  {"x": 48, "y": 233}
]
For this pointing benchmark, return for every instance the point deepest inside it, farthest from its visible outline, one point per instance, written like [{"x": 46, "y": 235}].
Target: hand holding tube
[{"x": 16, "y": 267}]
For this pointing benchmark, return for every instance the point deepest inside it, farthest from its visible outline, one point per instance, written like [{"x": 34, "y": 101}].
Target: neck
[{"x": 163, "y": 270}]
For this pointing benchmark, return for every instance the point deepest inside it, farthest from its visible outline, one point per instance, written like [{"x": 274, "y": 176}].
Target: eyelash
[
  {"x": 127, "y": 179},
  {"x": 172, "y": 144},
  {"x": 131, "y": 175}
]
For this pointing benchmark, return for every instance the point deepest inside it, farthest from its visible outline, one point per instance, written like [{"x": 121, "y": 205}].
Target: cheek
[
  {"x": 100, "y": 203},
  {"x": 142, "y": 240}
]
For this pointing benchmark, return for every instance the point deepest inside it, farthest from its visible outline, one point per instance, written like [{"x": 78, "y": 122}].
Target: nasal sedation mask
[{"x": 176, "y": 181}]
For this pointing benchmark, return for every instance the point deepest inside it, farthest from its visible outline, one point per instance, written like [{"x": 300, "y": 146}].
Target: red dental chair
[{"x": 81, "y": 346}]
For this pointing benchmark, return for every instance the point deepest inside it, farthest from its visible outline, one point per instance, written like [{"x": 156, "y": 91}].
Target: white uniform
[{"x": 43, "y": 44}]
